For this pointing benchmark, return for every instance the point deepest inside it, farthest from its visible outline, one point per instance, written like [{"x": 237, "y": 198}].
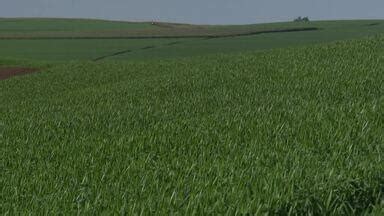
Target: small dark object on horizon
[{"x": 301, "y": 19}]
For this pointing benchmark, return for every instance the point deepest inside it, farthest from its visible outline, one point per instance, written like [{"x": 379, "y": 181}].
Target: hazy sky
[{"x": 196, "y": 11}]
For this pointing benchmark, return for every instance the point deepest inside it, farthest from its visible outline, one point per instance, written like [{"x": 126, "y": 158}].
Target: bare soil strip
[{"x": 8, "y": 72}]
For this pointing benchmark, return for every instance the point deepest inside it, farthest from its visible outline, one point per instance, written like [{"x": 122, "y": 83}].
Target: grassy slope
[
  {"x": 296, "y": 130},
  {"x": 89, "y": 49}
]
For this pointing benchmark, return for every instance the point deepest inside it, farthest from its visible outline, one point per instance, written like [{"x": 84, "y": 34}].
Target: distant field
[
  {"x": 296, "y": 130},
  {"x": 31, "y": 25},
  {"x": 72, "y": 28},
  {"x": 68, "y": 49},
  {"x": 328, "y": 32},
  {"x": 143, "y": 49}
]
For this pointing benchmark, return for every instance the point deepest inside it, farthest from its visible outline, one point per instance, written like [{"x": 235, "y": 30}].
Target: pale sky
[{"x": 196, "y": 11}]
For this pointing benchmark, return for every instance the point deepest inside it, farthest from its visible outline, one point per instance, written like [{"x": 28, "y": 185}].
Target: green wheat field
[{"x": 268, "y": 119}]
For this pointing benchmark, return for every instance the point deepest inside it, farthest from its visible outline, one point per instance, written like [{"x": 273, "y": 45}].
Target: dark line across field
[
  {"x": 264, "y": 32},
  {"x": 111, "y": 55},
  {"x": 373, "y": 24},
  {"x": 204, "y": 38},
  {"x": 159, "y": 36},
  {"x": 143, "y": 48}
]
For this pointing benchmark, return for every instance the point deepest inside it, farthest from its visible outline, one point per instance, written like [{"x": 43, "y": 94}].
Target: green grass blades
[{"x": 294, "y": 131}]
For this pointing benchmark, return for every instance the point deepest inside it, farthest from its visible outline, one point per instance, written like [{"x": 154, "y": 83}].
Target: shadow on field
[
  {"x": 354, "y": 196},
  {"x": 373, "y": 24}
]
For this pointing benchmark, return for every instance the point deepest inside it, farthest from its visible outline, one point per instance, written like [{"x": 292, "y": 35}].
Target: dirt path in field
[{"x": 7, "y": 72}]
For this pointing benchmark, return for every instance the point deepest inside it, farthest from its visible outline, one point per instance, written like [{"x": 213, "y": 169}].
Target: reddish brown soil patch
[{"x": 7, "y": 72}]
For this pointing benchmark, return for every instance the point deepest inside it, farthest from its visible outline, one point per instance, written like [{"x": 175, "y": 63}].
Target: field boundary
[
  {"x": 203, "y": 38},
  {"x": 2, "y": 37}
]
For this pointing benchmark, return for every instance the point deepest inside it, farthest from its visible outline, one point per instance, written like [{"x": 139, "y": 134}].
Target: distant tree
[{"x": 302, "y": 19}]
